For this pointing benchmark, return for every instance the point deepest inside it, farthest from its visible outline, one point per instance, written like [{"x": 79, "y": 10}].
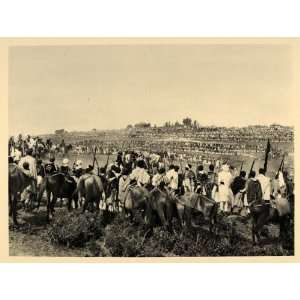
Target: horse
[
  {"x": 262, "y": 214},
  {"x": 57, "y": 186},
  {"x": 136, "y": 198},
  {"x": 17, "y": 182},
  {"x": 165, "y": 206},
  {"x": 198, "y": 203},
  {"x": 91, "y": 188}
]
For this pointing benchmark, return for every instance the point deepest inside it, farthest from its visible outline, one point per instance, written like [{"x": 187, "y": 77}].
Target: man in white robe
[{"x": 225, "y": 194}]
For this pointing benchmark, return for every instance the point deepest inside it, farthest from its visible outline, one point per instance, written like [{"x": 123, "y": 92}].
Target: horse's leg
[
  {"x": 283, "y": 226},
  {"x": 161, "y": 214},
  {"x": 253, "y": 230},
  {"x": 97, "y": 201},
  {"x": 14, "y": 208},
  {"x": 213, "y": 219},
  {"x": 10, "y": 204},
  {"x": 48, "y": 205},
  {"x": 169, "y": 216},
  {"x": 70, "y": 203},
  {"x": 75, "y": 198},
  {"x": 188, "y": 217},
  {"x": 257, "y": 228},
  {"x": 52, "y": 205},
  {"x": 85, "y": 205}
]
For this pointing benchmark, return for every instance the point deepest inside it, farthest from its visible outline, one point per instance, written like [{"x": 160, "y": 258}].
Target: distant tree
[
  {"x": 60, "y": 131},
  {"x": 187, "y": 122},
  {"x": 129, "y": 126},
  {"x": 177, "y": 124}
]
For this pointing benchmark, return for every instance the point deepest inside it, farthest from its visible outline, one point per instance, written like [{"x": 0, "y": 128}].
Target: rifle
[
  {"x": 252, "y": 165},
  {"x": 280, "y": 167},
  {"x": 181, "y": 166},
  {"x": 268, "y": 148},
  {"x": 107, "y": 161},
  {"x": 94, "y": 159},
  {"x": 241, "y": 169}
]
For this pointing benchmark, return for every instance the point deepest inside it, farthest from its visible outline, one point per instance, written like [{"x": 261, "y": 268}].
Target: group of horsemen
[{"x": 221, "y": 183}]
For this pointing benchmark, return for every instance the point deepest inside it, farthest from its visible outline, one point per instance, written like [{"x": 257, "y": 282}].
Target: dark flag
[{"x": 268, "y": 149}]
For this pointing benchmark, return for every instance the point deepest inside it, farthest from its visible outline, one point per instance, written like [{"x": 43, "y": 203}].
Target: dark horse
[
  {"x": 59, "y": 186},
  {"x": 162, "y": 204}
]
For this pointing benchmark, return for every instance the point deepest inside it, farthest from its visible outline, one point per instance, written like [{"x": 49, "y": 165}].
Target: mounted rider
[
  {"x": 65, "y": 170},
  {"x": 28, "y": 166},
  {"x": 139, "y": 175},
  {"x": 172, "y": 180},
  {"x": 78, "y": 169},
  {"x": 51, "y": 167},
  {"x": 159, "y": 179},
  {"x": 113, "y": 175}
]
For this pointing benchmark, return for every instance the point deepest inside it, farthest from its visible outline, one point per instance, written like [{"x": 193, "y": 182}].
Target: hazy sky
[{"x": 110, "y": 86}]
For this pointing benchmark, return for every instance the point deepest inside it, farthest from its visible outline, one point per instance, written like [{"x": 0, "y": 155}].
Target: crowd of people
[
  {"x": 248, "y": 141},
  {"x": 215, "y": 179}
]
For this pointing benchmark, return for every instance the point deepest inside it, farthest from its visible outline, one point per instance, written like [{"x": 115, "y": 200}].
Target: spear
[{"x": 281, "y": 166}]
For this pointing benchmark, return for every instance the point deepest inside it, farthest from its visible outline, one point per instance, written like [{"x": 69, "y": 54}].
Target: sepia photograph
[{"x": 151, "y": 148}]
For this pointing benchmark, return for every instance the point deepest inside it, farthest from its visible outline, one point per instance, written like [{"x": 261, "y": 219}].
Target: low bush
[
  {"x": 125, "y": 238},
  {"x": 75, "y": 229}
]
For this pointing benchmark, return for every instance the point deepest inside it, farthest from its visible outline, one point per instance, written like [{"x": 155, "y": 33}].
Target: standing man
[
  {"x": 189, "y": 179},
  {"x": 225, "y": 195},
  {"x": 253, "y": 190},
  {"x": 212, "y": 180},
  {"x": 265, "y": 183},
  {"x": 238, "y": 188},
  {"x": 201, "y": 178}
]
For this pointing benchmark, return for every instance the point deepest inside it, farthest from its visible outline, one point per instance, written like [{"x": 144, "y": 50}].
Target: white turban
[{"x": 225, "y": 168}]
